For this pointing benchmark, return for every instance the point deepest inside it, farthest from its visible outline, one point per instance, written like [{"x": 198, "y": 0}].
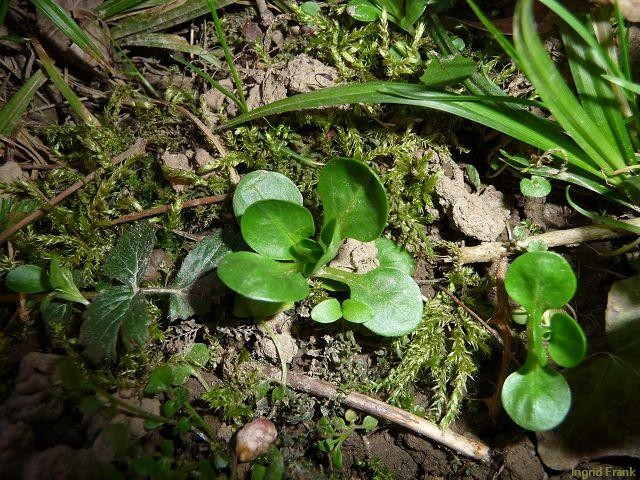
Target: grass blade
[
  {"x": 624, "y": 83},
  {"x": 15, "y": 108},
  {"x": 529, "y": 128},
  {"x": 170, "y": 42},
  {"x": 502, "y": 40},
  {"x": 113, "y": 7},
  {"x": 557, "y": 96},
  {"x": 68, "y": 26},
  {"x": 205, "y": 76},
  {"x": 56, "y": 77},
  {"x": 608, "y": 221},
  {"x": 164, "y": 17},
  {"x": 597, "y": 97}
]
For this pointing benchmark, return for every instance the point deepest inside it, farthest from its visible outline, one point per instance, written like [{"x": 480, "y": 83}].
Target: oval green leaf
[
  {"x": 352, "y": 194},
  {"x": 260, "y": 278},
  {"x": 540, "y": 280},
  {"x": 274, "y": 227},
  {"x": 393, "y": 296},
  {"x": 535, "y": 186},
  {"x": 363, "y": 10},
  {"x": 356, "y": 312},
  {"x": 327, "y": 311},
  {"x": 263, "y": 185},
  {"x": 568, "y": 343},
  {"x": 536, "y": 398},
  {"x": 27, "y": 279},
  {"x": 392, "y": 255},
  {"x": 441, "y": 72}
]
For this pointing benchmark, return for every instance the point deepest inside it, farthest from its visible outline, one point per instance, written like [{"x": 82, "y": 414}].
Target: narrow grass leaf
[
  {"x": 58, "y": 80},
  {"x": 550, "y": 85},
  {"x": 502, "y": 40},
  {"x": 624, "y": 83},
  {"x": 164, "y": 17},
  {"x": 68, "y": 26},
  {"x": 113, "y": 7},
  {"x": 170, "y": 42},
  {"x": 15, "y": 108},
  {"x": 607, "y": 221}
]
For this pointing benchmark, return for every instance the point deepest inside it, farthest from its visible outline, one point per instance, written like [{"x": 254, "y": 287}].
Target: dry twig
[
  {"x": 490, "y": 251},
  {"x": 461, "y": 444},
  {"x": 196, "y": 202}
]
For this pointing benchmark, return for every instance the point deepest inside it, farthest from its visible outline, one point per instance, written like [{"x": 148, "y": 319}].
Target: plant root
[
  {"x": 491, "y": 251},
  {"x": 459, "y": 443}
]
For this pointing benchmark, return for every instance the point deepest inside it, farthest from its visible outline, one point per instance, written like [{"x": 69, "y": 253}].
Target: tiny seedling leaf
[
  {"x": 327, "y": 311},
  {"x": 263, "y": 185},
  {"x": 363, "y": 10},
  {"x": 274, "y": 227},
  {"x": 128, "y": 260},
  {"x": 392, "y": 255},
  {"x": 61, "y": 279},
  {"x": 352, "y": 194},
  {"x": 356, "y": 312},
  {"x": 115, "y": 309},
  {"x": 160, "y": 379},
  {"x": 535, "y": 397},
  {"x": 369, "y": 423},
  {"x": 441, "y": 72},
  {"x": 568, "y": 343},
  {"x": 535, "y": 186},
  {"x": 197, "y": 355},
  {"x": 261, "y": 278},
  {"x": 28, "y": 279},
  {"x": 540, "y": 281}
]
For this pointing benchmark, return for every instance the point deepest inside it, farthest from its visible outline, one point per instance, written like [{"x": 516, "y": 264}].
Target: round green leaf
[
  {"x": 356, "y": 312},
  {"x": 261, "y": 278},
  {"x": 363, "y": 10},
  {"x": 327, "y": 311},
  {"x": 274, "y": 227},
  {"x": 540, "y": 280},
  {"x": 392, "y": 255},
  {"x": 535, "y": 186},
  {"x": 351, "y": 193},
  {"x": 568, "y": 343},
  {"x": 311, "y": 8},
  {"x": 263, "y": 185},
  {"x": 536, "y": 398},
  {"x": 28, "y": 279},
  {"x": 394, "y": 298}
]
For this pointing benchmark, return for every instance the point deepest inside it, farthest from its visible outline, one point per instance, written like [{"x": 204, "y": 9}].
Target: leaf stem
[
  {"x": 199, "y": 420},
  {"x": 331, "y": 273},
  {"x": 283, "y": 361},
  {"x": 159, "y": 291},
  {"x": 133, "y": 409}
]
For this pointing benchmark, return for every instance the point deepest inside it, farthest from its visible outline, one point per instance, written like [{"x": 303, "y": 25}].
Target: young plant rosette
[{"x": 286, "y": 254}]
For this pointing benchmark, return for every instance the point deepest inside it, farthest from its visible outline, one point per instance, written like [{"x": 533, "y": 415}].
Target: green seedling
[
  {"x": 286, "y": 255},
  {"x": 404, "y": 13},
  {"x": 58, "y": 282},
  {"x": 536, "y": 396},
  {"x": 337, "y": 430}
]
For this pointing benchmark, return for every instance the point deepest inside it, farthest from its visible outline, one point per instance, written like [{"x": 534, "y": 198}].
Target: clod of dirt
[
  {"x": 32, "y": 399},
  {"x": 202, "y": 157},
  {"x": 629, "y": 8},
  {"x": 301, "y": 74},
  {"x": 356, "y": 256},
  {"x": 281, "y": 326},
  {"x": 176, "y": 161},
  {"x": 522, "y": 463},
  {"x": 62, "y": 463},
  {"x": 481, "y": 216},
  {"x": 395, "y": 458},
  {"x": 16, "y": 439},
  {"x": 255, "y": 438},
  {"x": 9, "y": 173}
]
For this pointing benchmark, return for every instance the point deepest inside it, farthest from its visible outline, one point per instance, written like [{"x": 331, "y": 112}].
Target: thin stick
[
  {"x": 150, "y": 212},
  {"x": 490, "y": 251},
  {"x": 137, "y": 148},
  {"x": 461, "y": 444}
]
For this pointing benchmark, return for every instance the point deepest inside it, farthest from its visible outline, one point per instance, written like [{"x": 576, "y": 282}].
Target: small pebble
[{"x": 255, "y": 438}]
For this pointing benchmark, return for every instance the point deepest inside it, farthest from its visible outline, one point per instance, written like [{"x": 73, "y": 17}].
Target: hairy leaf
[
  {"x": 274, "y": 227},
  {"x": 128, "y": 260},
  {"x": 363, "y": 10},
  {"x": 117, "y": 309}
]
